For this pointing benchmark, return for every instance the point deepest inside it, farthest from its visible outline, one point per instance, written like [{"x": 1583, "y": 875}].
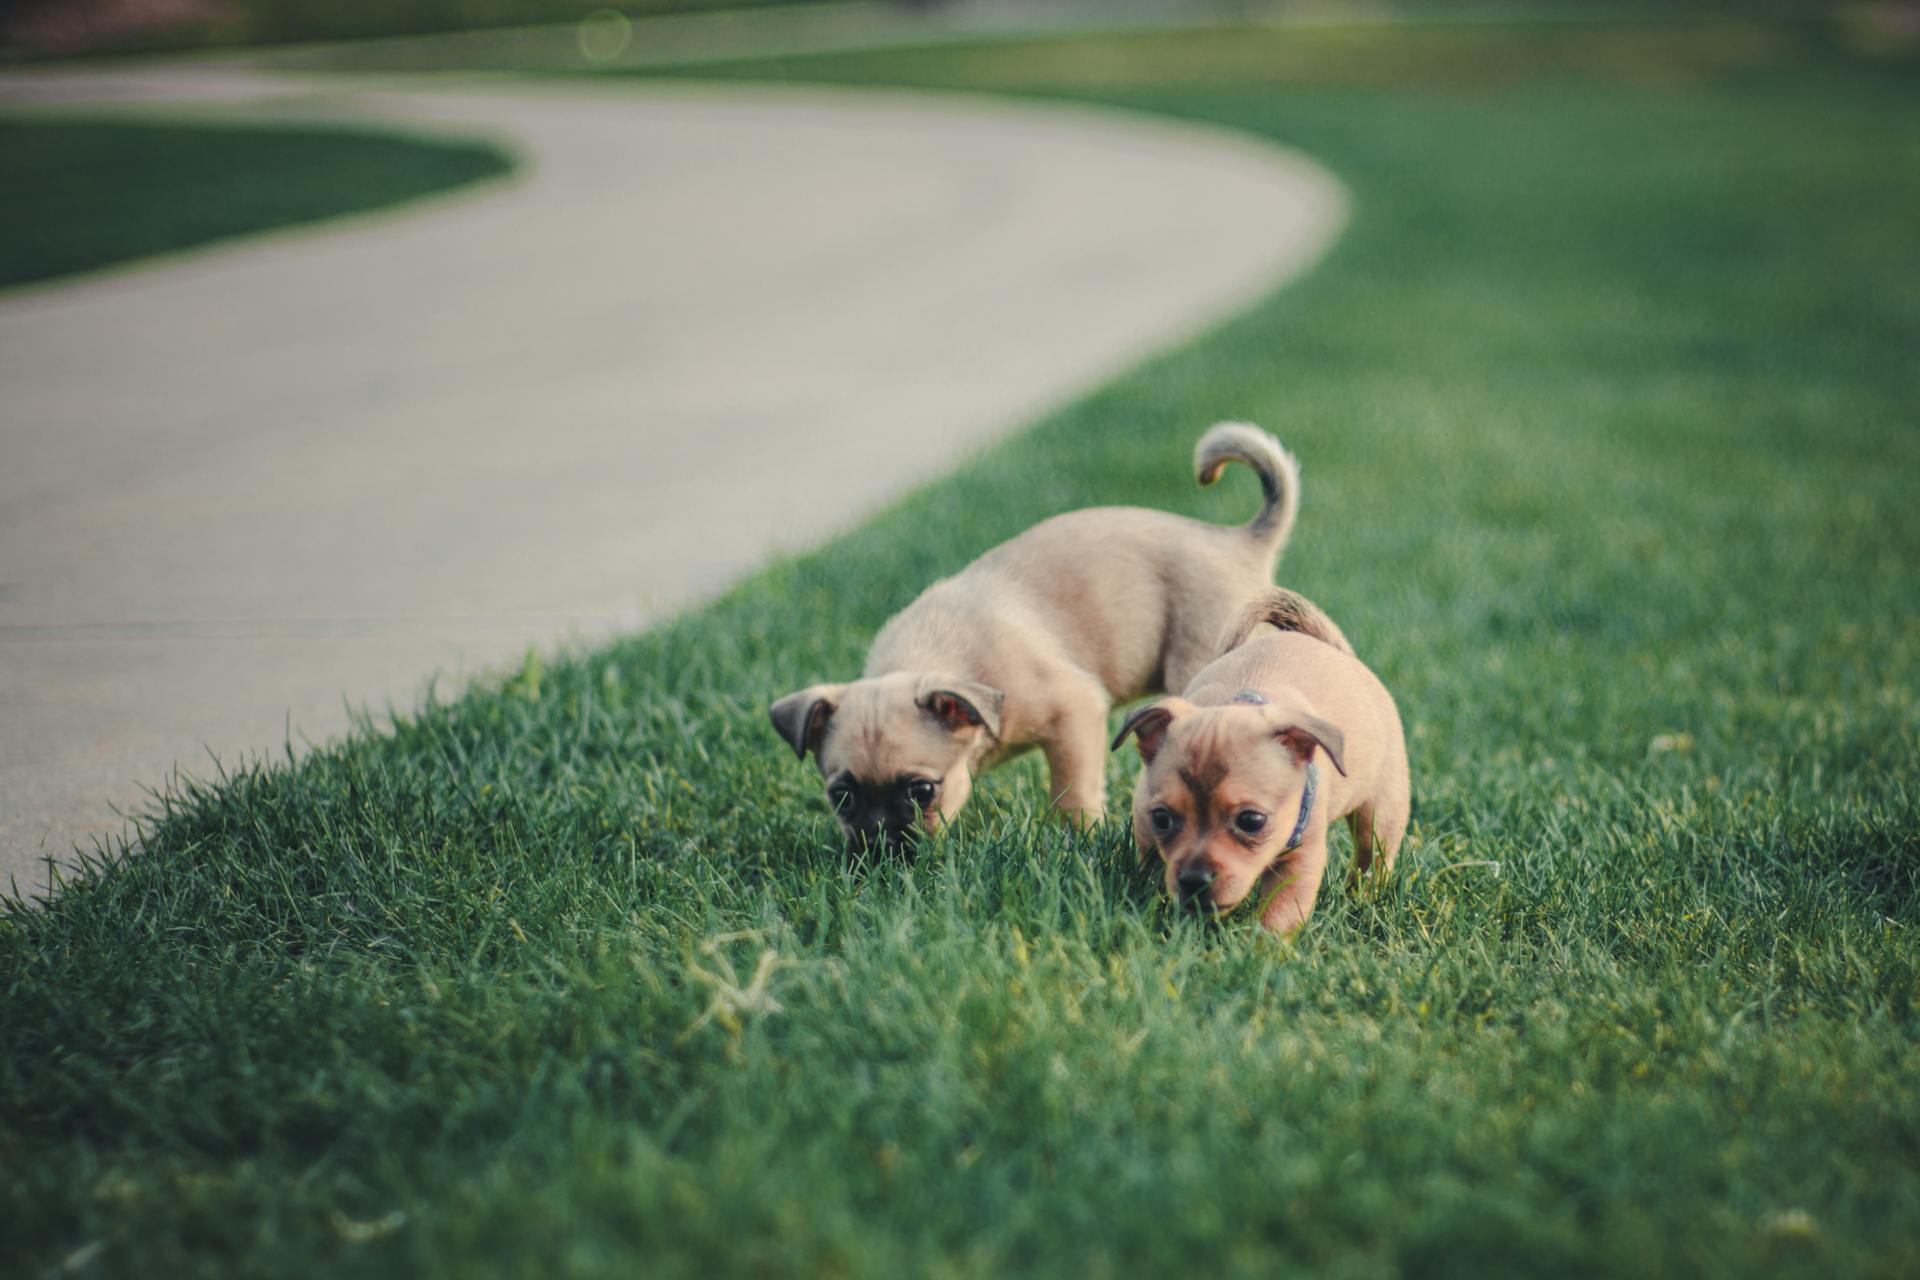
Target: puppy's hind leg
[
  {"x": 1362, "y": 823},
  {"x": 1379, "y": 824},
  {"x": 1193, "y": 640},
  {"x": 1393, "y": 807},
  {"x": 1076, "y": 748}
]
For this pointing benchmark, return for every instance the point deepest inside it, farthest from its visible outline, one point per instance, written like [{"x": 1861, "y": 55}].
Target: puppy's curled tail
[
  {"x": 1287, "y": 610},
  {"x": 1278, "y": 470}
]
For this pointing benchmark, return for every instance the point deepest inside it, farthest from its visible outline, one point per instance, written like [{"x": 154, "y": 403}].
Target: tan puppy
[
  {"x": 1031, "y": 644},
  {"x": 1232, "y": 795}
]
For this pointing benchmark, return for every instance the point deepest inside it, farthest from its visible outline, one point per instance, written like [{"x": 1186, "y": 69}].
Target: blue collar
[{"x": 1306, "y": 805}]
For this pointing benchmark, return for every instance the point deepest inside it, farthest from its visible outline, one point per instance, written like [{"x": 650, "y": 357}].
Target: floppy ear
[
  {"x": 960, "y": 704},
  {"x": 1304, "y": 732},
  {"x": 1148, "y": 727},
  {"x": 801, "y": 718}
]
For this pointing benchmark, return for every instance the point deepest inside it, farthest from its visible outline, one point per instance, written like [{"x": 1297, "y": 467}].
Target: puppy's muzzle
[{"x": 1192, "y": 882}]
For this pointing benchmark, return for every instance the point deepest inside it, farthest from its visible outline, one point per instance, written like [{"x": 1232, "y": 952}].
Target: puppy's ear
[
  {"x": 801, "y": 718},
  {"x": 961, "y": 704},
  {"x": 1303, "y": 732},
  {"x": 1147, "y": 726}
]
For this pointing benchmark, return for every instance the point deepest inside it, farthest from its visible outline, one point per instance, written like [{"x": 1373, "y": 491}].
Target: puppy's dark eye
[
  {"x": 1163, "y": 820},
  {"x": 922, "y": 791},
  {"x": 1250, "y": 822},
  {"x": 839, "y": 797}
]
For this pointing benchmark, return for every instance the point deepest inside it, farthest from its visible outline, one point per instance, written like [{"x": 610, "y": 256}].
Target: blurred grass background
[
  {"x": 1606, "y": 405},
  {"x": 29, "y": 27},
  {"x": 87, "y": 194}
]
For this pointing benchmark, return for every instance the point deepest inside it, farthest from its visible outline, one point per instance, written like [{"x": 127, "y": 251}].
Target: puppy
[
  {"x": 1031, "y": 644},
  {"x": 1232, "y": 794}
]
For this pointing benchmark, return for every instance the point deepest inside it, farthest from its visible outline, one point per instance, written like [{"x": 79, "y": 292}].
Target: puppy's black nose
[{"x": 1194, "y": 879}]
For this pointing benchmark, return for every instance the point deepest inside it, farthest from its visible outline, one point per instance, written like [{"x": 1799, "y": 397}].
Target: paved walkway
[{"x": 240, "y": 489}]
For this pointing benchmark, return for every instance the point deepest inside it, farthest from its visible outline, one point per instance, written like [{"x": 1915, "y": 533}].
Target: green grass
[
  {"x": 1606, "y": 404},
  {"x": 88, "y": 194},
  {"x": 41, "y": 27}
]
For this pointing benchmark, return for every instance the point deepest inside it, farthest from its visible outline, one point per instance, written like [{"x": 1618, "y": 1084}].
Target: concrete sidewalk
[{"x": 240, "y": 489}]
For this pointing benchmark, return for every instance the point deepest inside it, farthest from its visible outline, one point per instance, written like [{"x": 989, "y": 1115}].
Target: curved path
[{"x": 241, "y": 488}]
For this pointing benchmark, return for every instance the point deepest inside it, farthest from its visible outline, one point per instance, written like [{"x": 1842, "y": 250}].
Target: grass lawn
[
  {"x": 65, "y": 26},
  {"x": 82, "y": 195},
  {"x": 1606, "y": 403}
]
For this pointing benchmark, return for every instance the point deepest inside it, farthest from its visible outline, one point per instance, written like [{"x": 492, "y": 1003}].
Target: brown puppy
[
  {"x": 1231, "y": 793},
  {"x": 1031, "y": 644}
]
